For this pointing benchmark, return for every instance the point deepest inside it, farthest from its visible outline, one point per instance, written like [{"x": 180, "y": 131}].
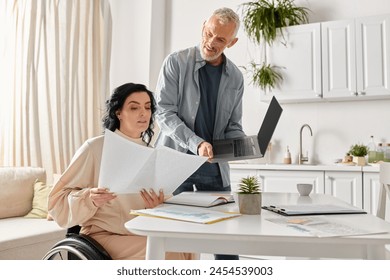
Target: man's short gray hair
[{"x": 228, "y": 15}]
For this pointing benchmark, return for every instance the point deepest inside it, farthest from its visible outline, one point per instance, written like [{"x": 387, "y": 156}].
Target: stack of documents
[
  {"x": 185, "y": 213},
  {"x": 201, "y": 199},
  {"x": 127, "y": 167},
  {"x": 313, "y": 209}
]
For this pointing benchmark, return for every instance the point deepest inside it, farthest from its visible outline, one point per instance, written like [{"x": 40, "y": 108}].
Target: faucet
[{"x": 301, "y": 158}]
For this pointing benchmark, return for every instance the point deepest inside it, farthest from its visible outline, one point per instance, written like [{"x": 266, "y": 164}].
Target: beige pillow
[
  {"x": 39, "y": 203},
  {"x": 16, "y": 189}
]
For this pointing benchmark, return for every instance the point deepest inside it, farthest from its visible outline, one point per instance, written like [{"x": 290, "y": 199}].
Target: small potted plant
[
  {"x": 249, "y": 196},
  {"x": 359, "y": 151}
]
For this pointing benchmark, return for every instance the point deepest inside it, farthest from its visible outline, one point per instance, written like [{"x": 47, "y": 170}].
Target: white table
[{"x": 254, "y": 235}]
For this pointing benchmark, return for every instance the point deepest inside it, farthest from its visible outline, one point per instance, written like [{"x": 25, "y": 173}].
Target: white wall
[
  {"x": 336, "y": 125},
  {"x": 130, "y": 57}
]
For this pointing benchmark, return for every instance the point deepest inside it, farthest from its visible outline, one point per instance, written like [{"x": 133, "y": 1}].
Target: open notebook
[{"x": 201, "y": 199}]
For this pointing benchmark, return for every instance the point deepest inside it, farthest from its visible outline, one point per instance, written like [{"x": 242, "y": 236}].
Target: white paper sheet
[
  {"x": 322, "y": 226},
  {"x": 128, "y": 167}
]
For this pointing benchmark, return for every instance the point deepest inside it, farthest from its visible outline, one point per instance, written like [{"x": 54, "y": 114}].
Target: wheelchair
[{"x": 77, "y": 246}]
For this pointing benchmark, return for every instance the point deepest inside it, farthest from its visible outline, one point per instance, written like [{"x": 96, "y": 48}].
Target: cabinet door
[
  {"x": 356, "y": 58},
  {"x": 286, "y": 181},
  {"x": 298, "y": 53},
  {"x": 347, "y": 186},
  {"x": 237, "y": 174},
  {"x": 371, "y": 194},
  {"x": 338, "y": 59},
  {"x": 373, "y": 55}
]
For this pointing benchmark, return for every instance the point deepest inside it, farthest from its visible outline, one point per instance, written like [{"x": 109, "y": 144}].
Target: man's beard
[{"x": 208, "y": 57}]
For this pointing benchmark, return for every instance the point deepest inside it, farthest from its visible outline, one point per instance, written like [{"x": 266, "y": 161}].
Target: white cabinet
[
  {"x": 280, "y": 181},
  {"x": 336, "y": 60},
  {"x": 345, "y": 185},
  {"x": 298, "y": 54},
  {"x": 286, "y": 181},
  {"x": 359, "y": 187},
  {"x": 371, "y": 191},
  {"x": 355, "y": 58},
  {"x": 237, "y": 174}
]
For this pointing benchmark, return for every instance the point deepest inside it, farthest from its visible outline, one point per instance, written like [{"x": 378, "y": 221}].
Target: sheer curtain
[{"x": 54, "y": 79}]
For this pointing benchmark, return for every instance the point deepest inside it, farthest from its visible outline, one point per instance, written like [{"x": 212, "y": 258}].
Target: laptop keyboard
[{"x": 243, "y": 147}]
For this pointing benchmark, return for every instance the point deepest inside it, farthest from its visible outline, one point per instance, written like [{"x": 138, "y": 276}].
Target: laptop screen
[{"x": 269, "y": 124}]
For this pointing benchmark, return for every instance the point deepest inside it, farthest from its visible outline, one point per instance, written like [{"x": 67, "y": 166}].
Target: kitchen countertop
[{"x": 304, "y": 167}]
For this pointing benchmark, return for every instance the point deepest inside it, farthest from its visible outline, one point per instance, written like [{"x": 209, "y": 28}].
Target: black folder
[{"x": 313, "y": 209}]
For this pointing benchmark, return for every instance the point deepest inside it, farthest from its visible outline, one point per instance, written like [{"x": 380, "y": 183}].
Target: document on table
[
  {"x": 186, "y": 214},
  {"x": 127, "y": 167},
  {"x": 322, "y": 226}
]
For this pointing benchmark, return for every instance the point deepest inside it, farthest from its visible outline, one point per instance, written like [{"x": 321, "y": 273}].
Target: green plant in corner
[
  {"x": 358, "y": 150},
  {"x": 262, "y": 20},
  {"x": 249, "y": 185}
]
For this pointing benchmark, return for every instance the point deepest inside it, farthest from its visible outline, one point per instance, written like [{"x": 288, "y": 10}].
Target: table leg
[{"x": 155, "y": 249}]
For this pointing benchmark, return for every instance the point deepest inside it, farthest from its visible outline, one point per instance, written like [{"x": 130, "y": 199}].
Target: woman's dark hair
[{"x": 115, "y": 103}]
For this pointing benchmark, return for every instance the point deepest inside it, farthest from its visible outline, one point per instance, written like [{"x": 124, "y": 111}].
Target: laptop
[{"x": 249, "y": 147}]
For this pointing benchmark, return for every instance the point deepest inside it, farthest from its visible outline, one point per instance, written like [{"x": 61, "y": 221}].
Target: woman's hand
[
  {"x": 101, "y": 196},
  {"x": 151, "y": 199}
]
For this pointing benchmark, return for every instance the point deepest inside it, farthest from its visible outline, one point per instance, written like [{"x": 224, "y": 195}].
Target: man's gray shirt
[{"x": 178, "y": 96}]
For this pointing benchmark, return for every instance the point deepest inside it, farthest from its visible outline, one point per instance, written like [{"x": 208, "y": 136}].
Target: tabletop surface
[{"x": 256, "y": 227}]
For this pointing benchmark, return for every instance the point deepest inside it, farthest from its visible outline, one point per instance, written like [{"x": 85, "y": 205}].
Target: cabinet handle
[
  {"x": 362, "y": 93},
  {"x": 319, "y": 95},
  {"x": 354, "y": 93},
  {"x": 329, "y": 178}
]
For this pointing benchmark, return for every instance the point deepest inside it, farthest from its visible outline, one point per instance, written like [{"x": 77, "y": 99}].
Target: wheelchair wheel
[
  {"x": 64, "y": 253},
  {"x": 77, "y": 247}
]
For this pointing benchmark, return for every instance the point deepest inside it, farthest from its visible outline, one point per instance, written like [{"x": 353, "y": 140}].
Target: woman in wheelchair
[{"x": 77, "y": 199}]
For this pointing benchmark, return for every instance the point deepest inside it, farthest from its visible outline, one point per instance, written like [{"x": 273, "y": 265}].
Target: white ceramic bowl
[{"x": 304, "y": 189}]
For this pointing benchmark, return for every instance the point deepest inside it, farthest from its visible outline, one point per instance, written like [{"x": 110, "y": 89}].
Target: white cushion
[{"x": 28, "y": 239}]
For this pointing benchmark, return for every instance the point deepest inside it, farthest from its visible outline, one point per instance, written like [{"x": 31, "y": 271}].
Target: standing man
[{"x": 199, "y": 97}]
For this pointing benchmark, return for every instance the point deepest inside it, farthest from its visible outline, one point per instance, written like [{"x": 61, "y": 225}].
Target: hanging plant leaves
[
  {"x": 266, "y": 76},
  {"x": 263, "y": 18}
]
